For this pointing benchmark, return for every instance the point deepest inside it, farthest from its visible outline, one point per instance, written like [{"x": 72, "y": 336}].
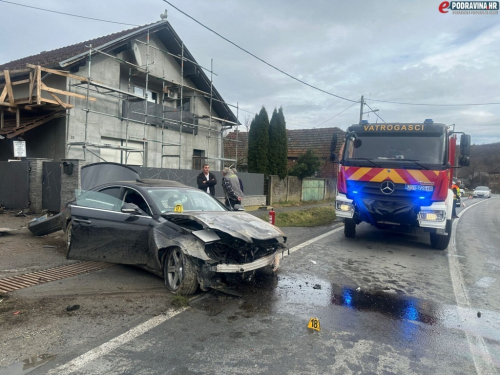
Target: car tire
[
  {"x": 441, "y": 241},
  {"x": 349, "y": 228},
  {"x": 69, "y": 228},
  {"x": 179, "y": 272}
]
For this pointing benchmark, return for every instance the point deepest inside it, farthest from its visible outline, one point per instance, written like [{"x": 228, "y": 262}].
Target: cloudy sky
[{"x": 399, "y": 51}]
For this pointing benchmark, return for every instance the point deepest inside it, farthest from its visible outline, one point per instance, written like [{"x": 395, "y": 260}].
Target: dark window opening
[{"x": 198, "y": 158}]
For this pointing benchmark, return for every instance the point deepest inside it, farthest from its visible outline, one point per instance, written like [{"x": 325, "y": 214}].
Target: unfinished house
[{"x": 136, "y": 97}]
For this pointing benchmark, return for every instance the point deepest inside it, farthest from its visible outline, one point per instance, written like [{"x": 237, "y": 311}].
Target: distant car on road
[
  {"x": 481, "y": 192},
  {"x": 178, "y": 232}
]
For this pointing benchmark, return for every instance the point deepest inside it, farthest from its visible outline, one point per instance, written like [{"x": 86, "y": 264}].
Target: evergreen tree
[
  {"x": 306, "y": 165},
  {"x": 282, "y": 146},
  {"x": 274, "y": 143},
  {"x": 258, "y": 143}
]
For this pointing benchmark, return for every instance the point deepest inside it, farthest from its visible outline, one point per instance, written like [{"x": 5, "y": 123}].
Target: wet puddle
[{"x": 27, "y": 365}]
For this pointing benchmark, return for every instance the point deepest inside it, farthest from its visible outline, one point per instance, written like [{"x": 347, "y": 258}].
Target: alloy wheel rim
[{"x": 174, "y": 269}]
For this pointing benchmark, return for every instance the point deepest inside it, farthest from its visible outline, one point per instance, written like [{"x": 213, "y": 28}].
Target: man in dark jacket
[{"x": 206, "y": 181}]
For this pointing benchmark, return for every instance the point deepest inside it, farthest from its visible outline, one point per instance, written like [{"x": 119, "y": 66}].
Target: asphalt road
[{"x": 386, "y": 302}]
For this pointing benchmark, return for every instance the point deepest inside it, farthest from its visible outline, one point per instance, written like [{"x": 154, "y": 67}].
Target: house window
[
  {"x": 152, "y": 96},
  {"x": 198, "y": 159}
]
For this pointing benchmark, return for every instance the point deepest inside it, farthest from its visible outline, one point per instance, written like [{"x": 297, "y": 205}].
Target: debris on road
[
  {"x": 50, "y": 247},
  {"x": 72, "y": 308},
  {"x": 17, "y": 313},
  {"x": 4, "y": 231},
  {"x": 312, "y": 261},
  {"x": 317, "y": 286},
  {"x": 479, "y": 314},
  {"x": 358, "y": 289}
]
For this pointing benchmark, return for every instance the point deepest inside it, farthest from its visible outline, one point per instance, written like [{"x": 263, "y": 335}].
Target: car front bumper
[{"x": 240, "y": 268}]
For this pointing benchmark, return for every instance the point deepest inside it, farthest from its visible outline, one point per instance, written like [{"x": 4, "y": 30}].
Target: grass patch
[
  {"x": 180, "y": 301},
  {"x": 311, "y": 217},
  {"x": 301, "y": 203}
]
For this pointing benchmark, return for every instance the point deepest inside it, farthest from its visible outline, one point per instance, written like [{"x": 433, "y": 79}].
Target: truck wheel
[
  {"x": 441, "y": 241},
  {"x": 349, "y": 228},
  {"x": 179, "y": 273}
]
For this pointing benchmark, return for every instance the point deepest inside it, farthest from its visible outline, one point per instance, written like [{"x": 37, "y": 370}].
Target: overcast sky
[{"x": 405, "y": 51}]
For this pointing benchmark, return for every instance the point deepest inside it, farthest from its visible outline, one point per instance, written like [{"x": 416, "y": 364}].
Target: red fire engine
[{"x": 399, "y": 174}]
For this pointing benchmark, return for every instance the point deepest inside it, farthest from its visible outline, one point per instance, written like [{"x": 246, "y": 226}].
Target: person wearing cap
[{"x": 232, "y": 188}]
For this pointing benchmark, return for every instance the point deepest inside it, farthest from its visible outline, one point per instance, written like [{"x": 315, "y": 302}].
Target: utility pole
[{"x": 361, "y": 110}]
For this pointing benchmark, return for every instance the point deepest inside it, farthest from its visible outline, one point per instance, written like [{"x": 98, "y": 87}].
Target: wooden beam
[
  {"x": 20, "y": 82},
  {"x": 58, "y": 72},
  {"x": 3, "y": 94},
  {"x": 62, "y": 92},
  {"x": 18, "y": 118},
  {"x": 38, "y": 84},
  {"x": 32, "y": 86},
  {"x": 50, "y": 101},
  {"x": 36, "y": 123},
  {"x": 61, "y": 103},
  {"x": 8, "y": 86}
]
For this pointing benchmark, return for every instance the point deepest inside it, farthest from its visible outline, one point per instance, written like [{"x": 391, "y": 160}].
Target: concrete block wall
[
  {"x": 288, "y": 189},
  {"x": 70, "y": 183},
  {"x": 35, "y": 189}
]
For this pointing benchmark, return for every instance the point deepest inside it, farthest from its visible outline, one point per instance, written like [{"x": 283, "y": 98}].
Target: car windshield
[
  {"x": 397, "y": 148},
  {"x": 189, "y": 200},
  {"x": 482, "y": 188}
]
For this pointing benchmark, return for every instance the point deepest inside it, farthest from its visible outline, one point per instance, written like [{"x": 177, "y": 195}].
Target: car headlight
[
  {"x": 432, "y": 215},
  {"x": 344, "y": 206}
]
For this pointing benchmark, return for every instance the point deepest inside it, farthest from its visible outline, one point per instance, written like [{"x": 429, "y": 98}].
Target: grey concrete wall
[
  {"x": 36, "y": 181},
  {"x": 286, "y": 190},
  {"x": 70, "y": 183},
  {"x": 330, "y": 188}
]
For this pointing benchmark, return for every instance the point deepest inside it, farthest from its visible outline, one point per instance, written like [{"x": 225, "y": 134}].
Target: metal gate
[
  {"x": 313, "y": 190},
  {"x": 51, "y": 186},
  {"x": 15, "y": 184}
]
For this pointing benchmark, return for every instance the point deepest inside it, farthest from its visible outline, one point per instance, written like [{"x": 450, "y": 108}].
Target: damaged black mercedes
[{"x": 177, "y": 232}]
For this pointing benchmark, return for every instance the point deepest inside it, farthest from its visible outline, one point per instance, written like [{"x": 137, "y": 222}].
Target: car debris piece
[
  {"x": 72, "y": 308},
  {"x": 44, "y": 225},
  {"x": 479, "y": 314},
  {"x": 5, "y": 231},
  {"x": 312, "y": 261},
  {"x": 317, "y": 286},
  {"x": 17, "y": 313},
  {"x": 50, "y": 247}
]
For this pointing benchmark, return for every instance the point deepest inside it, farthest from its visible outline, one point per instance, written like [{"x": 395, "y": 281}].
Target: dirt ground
[{"x": 35, "y": 322}]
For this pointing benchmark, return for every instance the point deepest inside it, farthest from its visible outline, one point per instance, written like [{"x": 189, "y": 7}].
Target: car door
[{"x": 101, "y": 232}]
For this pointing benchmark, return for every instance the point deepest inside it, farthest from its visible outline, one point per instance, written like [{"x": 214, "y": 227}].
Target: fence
[{"x": 293, "y": 189}]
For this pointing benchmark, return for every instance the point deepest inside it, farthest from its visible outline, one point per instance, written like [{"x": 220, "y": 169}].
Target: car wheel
[
  {"x": 69, "y": 228},
  {"x": 441, "y": 241},
  {"x": 179, "y": 272},
  {"x": 349, "y": 228}
]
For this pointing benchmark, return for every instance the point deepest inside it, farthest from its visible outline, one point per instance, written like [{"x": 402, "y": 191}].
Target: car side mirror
[
  {"x": 130, "y": 208},
  {"x": 464, "y": 161},
  {"x": 465, "y": 145}
]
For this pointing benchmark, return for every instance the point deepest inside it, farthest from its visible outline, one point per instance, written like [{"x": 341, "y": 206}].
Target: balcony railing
[{"x": 158, "y": 115}]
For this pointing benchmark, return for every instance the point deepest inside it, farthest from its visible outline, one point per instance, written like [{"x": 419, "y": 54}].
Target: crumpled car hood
[{"x": 237, "y": 224}]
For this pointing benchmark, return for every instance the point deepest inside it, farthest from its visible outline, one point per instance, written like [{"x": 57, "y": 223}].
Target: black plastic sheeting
[
  {"x": 102, "y": 173},
  {"x": 398, "y": 211}
]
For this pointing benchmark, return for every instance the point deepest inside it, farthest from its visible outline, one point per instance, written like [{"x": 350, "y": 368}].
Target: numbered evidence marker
[
  {"x": 314, "y": 324},
  {"x": 178, "y": 208}
]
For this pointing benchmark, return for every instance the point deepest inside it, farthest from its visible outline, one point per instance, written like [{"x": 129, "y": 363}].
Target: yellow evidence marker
[
  {"x": 314, "y": 324},
  {"x": 178, "y": 208}
]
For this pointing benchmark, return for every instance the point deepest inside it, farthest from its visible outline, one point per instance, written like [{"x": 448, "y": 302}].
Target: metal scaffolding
[{"x": 126, "y": 98}]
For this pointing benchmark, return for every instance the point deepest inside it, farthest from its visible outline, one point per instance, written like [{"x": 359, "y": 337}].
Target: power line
[
  {"x": 433, "y": 105},
  {"x": 331, "y": 118},
  {"x": 68, "y": 14},
  {"x": 258, "y": 58},
  {"x": 376, "y": 114}
]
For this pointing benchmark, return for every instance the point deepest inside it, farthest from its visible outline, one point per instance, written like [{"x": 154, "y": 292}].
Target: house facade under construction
[{"x": 136, "y": 97}]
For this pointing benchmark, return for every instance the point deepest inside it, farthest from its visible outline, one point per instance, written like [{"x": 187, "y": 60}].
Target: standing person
[
  {"x": 206, "y": 181},
  {"x": 232, "y": 188},
  {"x": 241, "y": 182},
  {"x": 456, "y": 195}
]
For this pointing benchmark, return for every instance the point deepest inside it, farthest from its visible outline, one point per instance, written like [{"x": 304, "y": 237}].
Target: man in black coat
[{"x": 206, "y": 181}]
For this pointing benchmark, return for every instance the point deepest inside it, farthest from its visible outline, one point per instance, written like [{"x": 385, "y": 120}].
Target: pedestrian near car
[
  {"x": 239, "y": 179},
  {"x": 232, "y": 188},
  {"x": 456, "y": 195},
  {"x": 206, "y": 181}
]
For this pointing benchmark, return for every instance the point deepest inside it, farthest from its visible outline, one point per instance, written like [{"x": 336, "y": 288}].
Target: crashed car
[{"x": 178, "y": 232}]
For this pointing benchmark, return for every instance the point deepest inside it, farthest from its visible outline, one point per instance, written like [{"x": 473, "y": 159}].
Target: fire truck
[{"x": 399, "y": 175}]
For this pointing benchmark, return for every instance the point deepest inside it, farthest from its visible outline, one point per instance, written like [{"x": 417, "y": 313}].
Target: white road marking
[
  {"x": 92, "y": 355},
  {"x": 485, "y": 282},
  {"x": 304, "y": 244},
  {"x": 111, "y": 345},
  {"x": 480, "y": 354}
]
